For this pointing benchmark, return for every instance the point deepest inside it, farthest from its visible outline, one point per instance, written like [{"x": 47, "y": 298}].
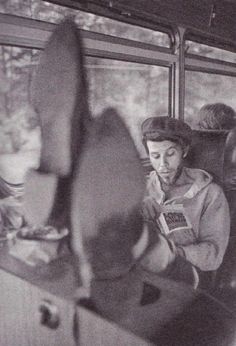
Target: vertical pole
[{"x": 178, "y": 75}]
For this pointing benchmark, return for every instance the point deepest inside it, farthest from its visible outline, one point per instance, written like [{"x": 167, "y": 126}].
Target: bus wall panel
[
  {"x": 93, "y": 330},
  {"x": 20, "y": 315}
]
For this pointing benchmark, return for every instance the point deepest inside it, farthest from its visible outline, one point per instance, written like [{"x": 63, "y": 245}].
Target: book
[{"x": 173, "y": 218}]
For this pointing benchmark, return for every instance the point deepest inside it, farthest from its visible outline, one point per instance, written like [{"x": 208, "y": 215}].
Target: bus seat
[
  {"x": 226, "y": 276},
  {"x": 208, "y": 152},
  {"x": 230, "y": 176},
  {"x": 215, "y": 151}
]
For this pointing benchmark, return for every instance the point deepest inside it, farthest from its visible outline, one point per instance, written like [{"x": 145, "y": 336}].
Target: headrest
[
  {"x": 208, "y": 151},
  {"x": 230, "y": 160}
]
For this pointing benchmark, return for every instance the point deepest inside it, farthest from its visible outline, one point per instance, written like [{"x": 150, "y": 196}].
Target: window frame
[
  {"x": 198, "y": 63},
  {"x": 30, "y": 33}
]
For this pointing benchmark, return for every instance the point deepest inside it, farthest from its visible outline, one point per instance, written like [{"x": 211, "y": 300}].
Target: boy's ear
[{"x": 186, "y": 150}]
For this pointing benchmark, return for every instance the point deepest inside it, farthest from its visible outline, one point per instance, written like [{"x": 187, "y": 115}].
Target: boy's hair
[
  {"x": 217, "y": 116},
  {"x": 178, "y": 141},
  {"x": 165, "y": 128}
]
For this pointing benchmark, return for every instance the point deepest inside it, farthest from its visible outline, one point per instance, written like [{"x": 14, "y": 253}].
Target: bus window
[
  {"x": 210, "y": 51},
  {"x": 202, "y": 88},
  {"x": 137, "y": 91},
  {"x": 18, "y": 121},
  {"x": 46, "y": 11}
]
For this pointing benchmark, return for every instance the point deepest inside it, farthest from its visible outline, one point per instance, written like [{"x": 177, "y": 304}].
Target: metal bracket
[{"x": 212, "y": 16}]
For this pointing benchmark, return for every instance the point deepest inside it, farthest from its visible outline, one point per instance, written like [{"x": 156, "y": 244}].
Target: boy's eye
[
  {"x": 171, "y": 153},
  {"x": 155, "y": 156}
]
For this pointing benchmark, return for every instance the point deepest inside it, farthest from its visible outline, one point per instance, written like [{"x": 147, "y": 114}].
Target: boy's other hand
[{"x": 151, "y": 210}]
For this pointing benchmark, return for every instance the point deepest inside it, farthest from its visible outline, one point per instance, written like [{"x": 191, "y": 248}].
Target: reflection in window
[
  {"x": 137, "y": 91},
  {"x": 210, "y": 52},
  {"x": 202, "y": 88},
  {"x": 17, "y": 119},
  {"x": 46, "y": 11}
]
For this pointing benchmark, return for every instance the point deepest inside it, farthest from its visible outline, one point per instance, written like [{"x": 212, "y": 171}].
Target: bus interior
[{"x": 143, "y": 58}]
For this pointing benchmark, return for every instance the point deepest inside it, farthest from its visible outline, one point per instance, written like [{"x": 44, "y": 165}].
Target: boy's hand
[
  {"x": 160, "y": 256},
  {"x": 151, "y": 210}
]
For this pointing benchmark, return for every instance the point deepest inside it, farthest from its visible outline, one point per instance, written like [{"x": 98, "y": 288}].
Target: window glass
[
  {"x": 210, "y": 52},
  {"x": 203, "y": 88},
  {"x": 18, "y": 122},
  {"x": 137, "y": 91},
  {"x": 46, "y": 11}
]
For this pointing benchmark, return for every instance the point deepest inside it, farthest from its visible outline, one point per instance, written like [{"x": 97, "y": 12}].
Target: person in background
[
  {"x": 13, "y": 169},
  {"x": 188, "y": 209},
  {"x": 216, "y": 116},
  {"x": 11, "y": 195}
]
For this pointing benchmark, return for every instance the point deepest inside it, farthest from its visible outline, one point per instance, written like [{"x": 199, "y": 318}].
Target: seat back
[
  {"x": 230, "y": 176},
  {"x": 226, "y": 276},
  {"x": 208, "y": 152},
  {"x": 215, "y": 152}
]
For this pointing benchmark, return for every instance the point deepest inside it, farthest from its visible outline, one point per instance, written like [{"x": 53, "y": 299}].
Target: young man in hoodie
[{"x": 188, "y": 209}]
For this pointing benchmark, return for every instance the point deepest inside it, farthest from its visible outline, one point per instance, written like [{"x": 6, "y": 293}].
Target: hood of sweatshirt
[{"x": 198, "y": 179}]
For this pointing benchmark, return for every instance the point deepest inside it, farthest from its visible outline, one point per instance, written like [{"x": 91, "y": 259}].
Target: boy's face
[{"x": 166, "y": 158}]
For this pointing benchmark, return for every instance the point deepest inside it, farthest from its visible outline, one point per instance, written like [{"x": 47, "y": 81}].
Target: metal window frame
[
  {"x": 31, "y": 33},
  {"x": 209, "y": 40},
  {"x": 198, "y": 63},
  {"x": 209, "y": 65},
  {"x": 115, "y": 12}
]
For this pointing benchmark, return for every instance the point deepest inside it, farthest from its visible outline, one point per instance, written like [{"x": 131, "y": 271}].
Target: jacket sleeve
[{"x": 214, "y": 229}]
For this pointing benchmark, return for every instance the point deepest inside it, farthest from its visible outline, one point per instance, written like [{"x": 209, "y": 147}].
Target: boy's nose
[{"x": 163, "y": 161}]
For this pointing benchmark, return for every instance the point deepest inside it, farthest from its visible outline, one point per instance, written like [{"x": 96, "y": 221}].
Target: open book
[{"x": 173, "y": 218}]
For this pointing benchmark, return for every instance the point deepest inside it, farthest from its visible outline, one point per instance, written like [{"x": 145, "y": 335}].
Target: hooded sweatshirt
[{"x": 205, "y": 240}]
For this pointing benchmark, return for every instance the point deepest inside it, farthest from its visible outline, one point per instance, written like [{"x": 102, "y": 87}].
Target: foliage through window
[
  {"x": 137, "y": 91},
  {"x": 210, "y": 52},
  {"x": 203, "y": 88},
  {"x": 42, "y": 10},
  {"x": 17, "y": 119}
]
